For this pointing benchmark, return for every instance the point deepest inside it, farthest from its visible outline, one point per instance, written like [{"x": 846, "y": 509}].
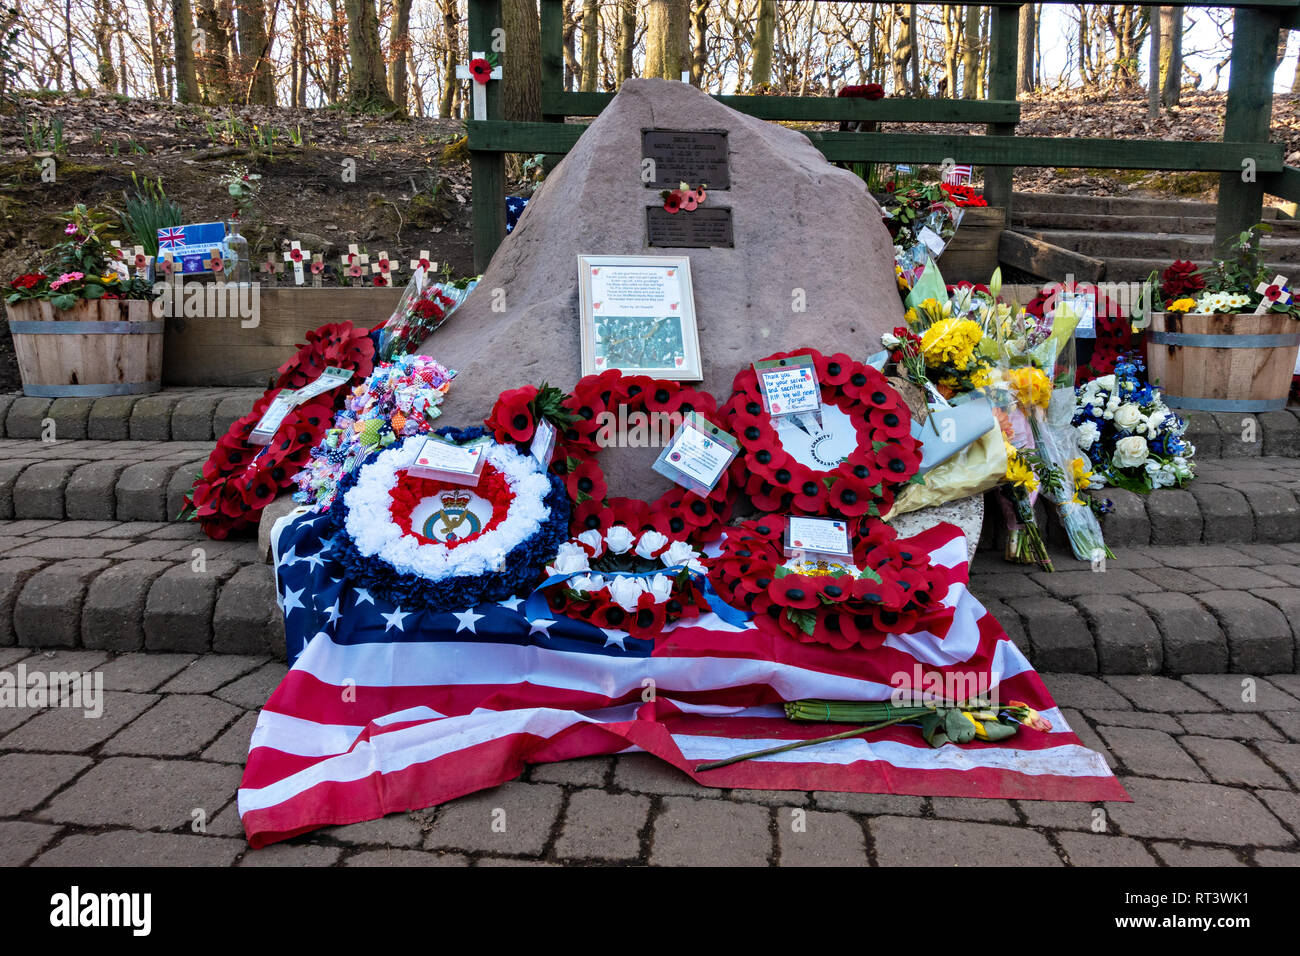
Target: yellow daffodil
[
  {"x": 950, "y": 342},
  {"x": 1031, "y": 386},
  {"x": 1019, "y": 472},
  {"x": 910, "y": 316},
  {"x": 1082, "y": 473}
]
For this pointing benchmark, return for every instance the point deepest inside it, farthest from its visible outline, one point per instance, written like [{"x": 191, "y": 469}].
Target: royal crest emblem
[{"x": 457, "y": 520}]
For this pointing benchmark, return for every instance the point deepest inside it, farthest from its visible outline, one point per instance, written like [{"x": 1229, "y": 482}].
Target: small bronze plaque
[
  {"x": 698, "y": 229},
  {"x": 687, "y": 156}
]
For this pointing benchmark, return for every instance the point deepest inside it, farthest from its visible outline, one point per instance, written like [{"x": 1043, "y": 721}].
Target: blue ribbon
[{"x": 536, "y": 607}]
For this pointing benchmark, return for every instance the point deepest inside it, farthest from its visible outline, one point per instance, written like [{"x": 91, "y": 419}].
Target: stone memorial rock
[{"x": 803, "y": 230}]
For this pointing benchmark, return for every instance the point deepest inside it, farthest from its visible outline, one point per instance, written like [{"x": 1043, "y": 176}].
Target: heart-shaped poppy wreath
[
  {"x": 579, "y": 418},
  {"x": 890, "y": 587},
  {"x": 864, "y": 482}
]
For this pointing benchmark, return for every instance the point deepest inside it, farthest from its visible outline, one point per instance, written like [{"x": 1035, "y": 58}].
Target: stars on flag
[
  {"x": 363, "y": 597},
  {"x": 467, "y": 620},
  {"x": 292, "y": 601},
  {"x": 395, "y": 619}
]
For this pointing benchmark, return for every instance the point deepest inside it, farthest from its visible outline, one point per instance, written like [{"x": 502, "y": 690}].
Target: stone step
[
  {"x": 1233, "y": 435},
  {"x": 174, "y": 414},
  {"x": 1138, "y": 245},
  {"x": 1117, "y": 205},
  {"x": 143, "y": 586},
  {"x": 1136, "y": 269},
  {"x": 1153, "y": 610},
  {"x": 1031, "y": 219},
  {"x": 123, "y": 586},
  {"x": 98, "y": 480}
]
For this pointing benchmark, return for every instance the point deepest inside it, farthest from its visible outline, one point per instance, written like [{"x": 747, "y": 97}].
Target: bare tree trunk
[
  {"x": 1153, "y": 67},
  {"x": 667, "y": 23},
  {"x": 213, "y": 21},
  {"x": 914, "y": 50},
  {"x": 367, "y": 79},
  {"x": 187, "y": 80},
  {"x": 521, "y": 67},
  {"x": 626, "y": 38},
  {"x": 1025, "y": 79},
  {"x": 1171, "y": 55},
  {"x": 258, "y": 85},
  {"x": 451, "y": 34},
  {"x": 590, "y": 45},
  {"x": 760, "y": 73},
  {"x": 970, "y": 52},
  {"x": 700, "y": 33},
  {"x": 399, "y": 51},
  {"x": 103, "y": 31}
]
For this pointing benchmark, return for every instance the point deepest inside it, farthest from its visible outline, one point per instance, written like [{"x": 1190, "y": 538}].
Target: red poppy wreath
[
  {"x": 588, "y": 420},
  {"x": 240, "y": 479},
  {"x": 887, "y": 589},
  {"x": 852, "y": 466}
]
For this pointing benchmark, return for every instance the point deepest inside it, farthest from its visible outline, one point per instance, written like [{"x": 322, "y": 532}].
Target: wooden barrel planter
[
  {"x": 100, "y": 347},
  {"x": 1223, "y": 363}
]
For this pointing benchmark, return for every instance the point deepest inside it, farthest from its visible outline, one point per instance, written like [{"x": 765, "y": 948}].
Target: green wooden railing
[{"x": 1248, "y": 164}]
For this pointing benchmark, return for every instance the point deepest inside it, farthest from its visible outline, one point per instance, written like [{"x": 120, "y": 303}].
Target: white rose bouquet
[{"x": 1130, "y": 437}]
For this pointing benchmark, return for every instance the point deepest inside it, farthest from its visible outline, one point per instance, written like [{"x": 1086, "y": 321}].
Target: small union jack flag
[{"x": 171, "y": 237}]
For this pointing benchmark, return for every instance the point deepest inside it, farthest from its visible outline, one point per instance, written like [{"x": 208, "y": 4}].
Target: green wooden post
[
  {"x": 487, "y": 169},
  {"x": 1247, "y": 118},
  {"x": 552, "y": 24},
  {"x": 1004, "y": 30}
]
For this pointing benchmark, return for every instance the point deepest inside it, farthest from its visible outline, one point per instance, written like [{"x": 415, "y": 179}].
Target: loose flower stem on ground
[{"x": 714, "y": 765}]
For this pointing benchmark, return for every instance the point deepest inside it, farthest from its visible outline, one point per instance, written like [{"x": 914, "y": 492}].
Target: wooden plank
[
  {"x": 1284, "y": 185},
  {"x": 1045, "y": 151},
  {"x": 219, "y": 351},
  {"x": 1046, "y": 260},
  {"x": 552, "y": 24},
  {"x": 487, "y": 169},
  {"x": 972, "y": 253},
  {"x": 1004, "y": 26},
  {"x": 1247, "y": 118},
  {"x": 934, "y": 148},
  {"x": 820, "y": 108}
]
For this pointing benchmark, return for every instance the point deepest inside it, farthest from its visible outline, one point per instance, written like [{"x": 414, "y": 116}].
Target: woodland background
[{"x": 400, "y": 55}]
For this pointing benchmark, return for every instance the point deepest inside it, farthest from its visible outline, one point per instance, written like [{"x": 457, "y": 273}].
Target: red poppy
[
  {"x": 649, "y": 617},
  {"x": 512, "y": 417},
  {"x": 590, "y": 514},
  {"x": 794, "y": 590},
  {"x": 295, "y": 255},
  {"x": 585, "y": 482},
  {"x": 673, "y": 201},
  {"x": 851, "y": 497},
  {"x": 480, "y": 69}
]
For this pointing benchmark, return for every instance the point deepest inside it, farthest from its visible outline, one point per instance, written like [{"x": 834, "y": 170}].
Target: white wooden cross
[
  {"x": 295, "y": 254},
  {"x": 384, "y": 267},
  {"x": 357, "y": 263},
  {"x": 422, "y": 267},
  {"x": 214, "y": 265},
  {"x": 166, "y": 262},
  {"x": 119, "y": 260},
  {"x": 479, "y": 90},
  {"x": 317, "y": 267},
  {"x": 1280, "y": 294}
]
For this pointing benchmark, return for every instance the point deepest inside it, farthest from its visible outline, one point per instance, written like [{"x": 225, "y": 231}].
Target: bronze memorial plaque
[
  {"x": 687, "y": 156},
  {"x": 698, "y": 229}
]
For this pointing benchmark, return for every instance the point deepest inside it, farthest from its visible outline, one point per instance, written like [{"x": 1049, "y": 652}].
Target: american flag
[
  {"x": 388, "y": 709},
  {"x": 956, "y": 175}
]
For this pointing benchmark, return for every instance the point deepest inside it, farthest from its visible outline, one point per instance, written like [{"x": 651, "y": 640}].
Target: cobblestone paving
[{"x": 1212, "y": 762}]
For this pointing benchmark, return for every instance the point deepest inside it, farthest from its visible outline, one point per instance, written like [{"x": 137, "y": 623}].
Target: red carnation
[{"x": 1182, "y": 278}]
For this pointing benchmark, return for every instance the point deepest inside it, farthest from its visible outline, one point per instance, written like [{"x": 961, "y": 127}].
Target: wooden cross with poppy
[
  {"x": 119, "y": 260},
  {"x": 317, "y": 267},
  {"x": 271, "y": 268},
  {"x": 295, "y": 254},
  {"x": 213, "y": 263},
  {"x": 142, "y": 262},
  {"x": 480, "y": 69},
  {"x": 1274, "y": 293},
  {"x": 422, "y": 267},
  {"x": 385, "y": 267},
  {"x": 357, "y": 263},
  {"x": 166, "y": 263}
]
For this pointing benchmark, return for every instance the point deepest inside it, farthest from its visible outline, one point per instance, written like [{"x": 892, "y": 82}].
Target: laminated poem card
[
  {"x": 638, "y": 316},
  {"x": 828, "y": 536},
  {"x": 697, "y": 455},
  {"x": 284, "y": 402},
  {"x": 458, "y": 464}
]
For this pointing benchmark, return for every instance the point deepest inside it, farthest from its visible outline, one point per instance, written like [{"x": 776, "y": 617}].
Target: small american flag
[
  {"x": 957, "y": 175},
  {"x": 389, "y": 709}
]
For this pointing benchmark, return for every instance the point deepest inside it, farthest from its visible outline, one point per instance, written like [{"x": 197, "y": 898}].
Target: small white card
[
  {"x": 933, "y": 241},
  {"x": 264, "y": 431},
  {"x": 543, "y": 446},
  {"x": 697, "y": 455},
  {"x": 817, "y": 535},
  {"x": 459, "y": 464},
  {"x": 789, "y": 388},
  {"x": 1085, "y": 307},
  {"x": 330, "y": 378}
]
